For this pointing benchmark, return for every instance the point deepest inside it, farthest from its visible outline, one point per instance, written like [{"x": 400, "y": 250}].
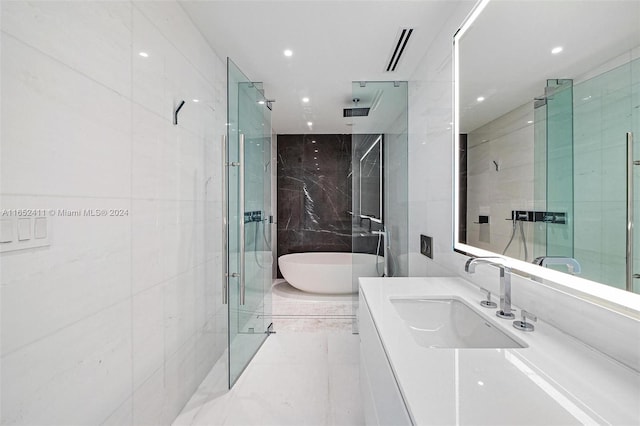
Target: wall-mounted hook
[
  {"x": 175, "y": 113},
  {"x": 497, "y": 166}
]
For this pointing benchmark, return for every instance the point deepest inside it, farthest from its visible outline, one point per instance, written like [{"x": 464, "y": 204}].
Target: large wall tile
[
  {"x": 312, "y": 203},
  {"x": 150, "y": 402},
  {"x": 155, "y": 167},
  {"x": 148, "y": 333},
  {"x": 122, "y": 416},
  {"x": 181, "y": 380},
  {"x": 85, "y": 269},
  {"x": 179, "y": 313},
  {"x": 93, "y": 38},
  {"x": 77, "y": 376},
  {"x": 81, "y": 143},
  {"x": 169, "y": 18},
  {"x": 119, "y": 318}
]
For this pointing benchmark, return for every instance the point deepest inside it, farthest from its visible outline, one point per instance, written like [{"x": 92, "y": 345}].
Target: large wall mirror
[{"x": 548, "y": 128}]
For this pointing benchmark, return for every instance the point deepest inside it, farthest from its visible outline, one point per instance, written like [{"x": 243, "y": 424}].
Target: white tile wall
[
  {"x": 119, "y": 318},
  {"x": 430, "y": 211},
  {"x": 496, "y": 193}
]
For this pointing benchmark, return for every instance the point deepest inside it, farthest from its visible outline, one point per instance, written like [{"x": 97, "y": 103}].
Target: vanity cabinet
[{"x": 382, "y": 401}]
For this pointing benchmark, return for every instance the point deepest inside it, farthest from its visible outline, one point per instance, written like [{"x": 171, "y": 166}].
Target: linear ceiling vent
[{"x": 400, "y": 45}]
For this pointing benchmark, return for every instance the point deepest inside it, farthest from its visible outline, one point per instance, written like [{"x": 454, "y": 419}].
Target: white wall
[
  {"x": 431, "y": 213},
  {"x": 119, "y": 318}
]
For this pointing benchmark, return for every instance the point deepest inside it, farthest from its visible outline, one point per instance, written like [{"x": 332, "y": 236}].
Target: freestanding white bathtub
[{"x": 330, "y": 273}]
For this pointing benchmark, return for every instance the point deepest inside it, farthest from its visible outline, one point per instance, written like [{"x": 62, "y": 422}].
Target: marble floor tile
[
  {"x": 344, "y": 395},
  {"x": 297, "y": 311},
  {"x": 308, "y": 378}
]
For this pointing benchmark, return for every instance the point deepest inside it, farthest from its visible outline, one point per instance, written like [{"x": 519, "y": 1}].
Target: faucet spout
[
  {"x": 505, "y": 281},
  {"x": 470, "y": 266}
]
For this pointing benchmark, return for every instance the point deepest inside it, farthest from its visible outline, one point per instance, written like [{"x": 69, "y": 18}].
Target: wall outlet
[{"x": 426, "y": 246}]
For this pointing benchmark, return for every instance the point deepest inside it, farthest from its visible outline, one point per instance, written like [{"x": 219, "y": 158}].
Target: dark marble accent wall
[{"x": 314, "y": 193}]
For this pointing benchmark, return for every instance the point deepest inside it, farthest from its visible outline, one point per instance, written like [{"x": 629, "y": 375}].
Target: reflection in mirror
[
  {"x": 548, "y": 98},
  {"x": 370, "y": 177}
]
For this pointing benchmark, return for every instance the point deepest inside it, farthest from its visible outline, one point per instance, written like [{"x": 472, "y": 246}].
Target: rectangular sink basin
[{"x": 450, "y": 323}]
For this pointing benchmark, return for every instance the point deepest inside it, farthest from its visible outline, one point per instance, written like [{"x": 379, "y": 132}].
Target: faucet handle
[
  {"x": 487, "y": 303},
  {"x": 523, "y": 325}
]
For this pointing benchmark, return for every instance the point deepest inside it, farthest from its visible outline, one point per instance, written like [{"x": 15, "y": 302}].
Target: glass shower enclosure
[
  {"x": 249, "y": 259},
  {"x": 380, "y": 238}
]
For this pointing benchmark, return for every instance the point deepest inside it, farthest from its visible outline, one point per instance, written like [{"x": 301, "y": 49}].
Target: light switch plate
[
  {"x": 21, "y": 234},
  {"x": 40, "y": 228},
  {"x": 24, "y": 229},
  {"x": 426, "y": 246},
  {"x": 6, "y": 231}
]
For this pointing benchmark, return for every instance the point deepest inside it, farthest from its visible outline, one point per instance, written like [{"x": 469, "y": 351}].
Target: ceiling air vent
[
  {"x": 400, "y": 45},
  {"x": 355, "y": 112}
]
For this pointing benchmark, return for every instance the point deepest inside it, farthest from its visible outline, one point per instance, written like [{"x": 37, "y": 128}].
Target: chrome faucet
[
  {"x": 505, "y": 282},
  {"x": 572, "y": 265}
]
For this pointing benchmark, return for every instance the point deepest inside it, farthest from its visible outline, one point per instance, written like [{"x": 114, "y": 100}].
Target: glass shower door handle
[
  {"x": 225, "y": 221},
  {"x": 243, "y": 275},
  {"x": 629, "y": 252}
]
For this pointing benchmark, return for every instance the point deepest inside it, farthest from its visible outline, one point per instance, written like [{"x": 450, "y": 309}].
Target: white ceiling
[{"x": 334, "y": 43}]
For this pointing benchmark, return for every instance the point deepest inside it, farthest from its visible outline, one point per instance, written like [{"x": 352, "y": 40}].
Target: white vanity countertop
[{"x": 556, "y": 380}]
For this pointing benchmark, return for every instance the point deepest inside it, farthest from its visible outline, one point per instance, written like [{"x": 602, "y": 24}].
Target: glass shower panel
[
  {"x": 249, "y": 259},
  {"x": 602, "y": 117},
  {"x": 380, "y": 179},
  {"x": 540, "y": 175},
  {"x": 559, "y": 151}
]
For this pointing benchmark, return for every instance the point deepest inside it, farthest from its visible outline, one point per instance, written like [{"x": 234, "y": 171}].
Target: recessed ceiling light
[
  {"x": 556, "y": 50},
  {"x": 315, "y": 158},
  {"x": 530, "y": 122},
  {"x": 318, "y": 168},
  {"x": 144, "y": 54},
  {"x": 305, "y": 100},
  {"x": 196, "y": 100},
  {"x": 480, "y": 98},
  {"x": 313, "y": 141},
  {"x": 261, "y": 102},
  {"x": 309, "y": 123},
  {"x": 288, "y": 53},
  {"x": 315, "y": 150}
]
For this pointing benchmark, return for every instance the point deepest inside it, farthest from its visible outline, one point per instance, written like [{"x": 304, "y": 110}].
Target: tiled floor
[
  {"x": 295, "y": 310},
  {"x": 308, "y": 377}
]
